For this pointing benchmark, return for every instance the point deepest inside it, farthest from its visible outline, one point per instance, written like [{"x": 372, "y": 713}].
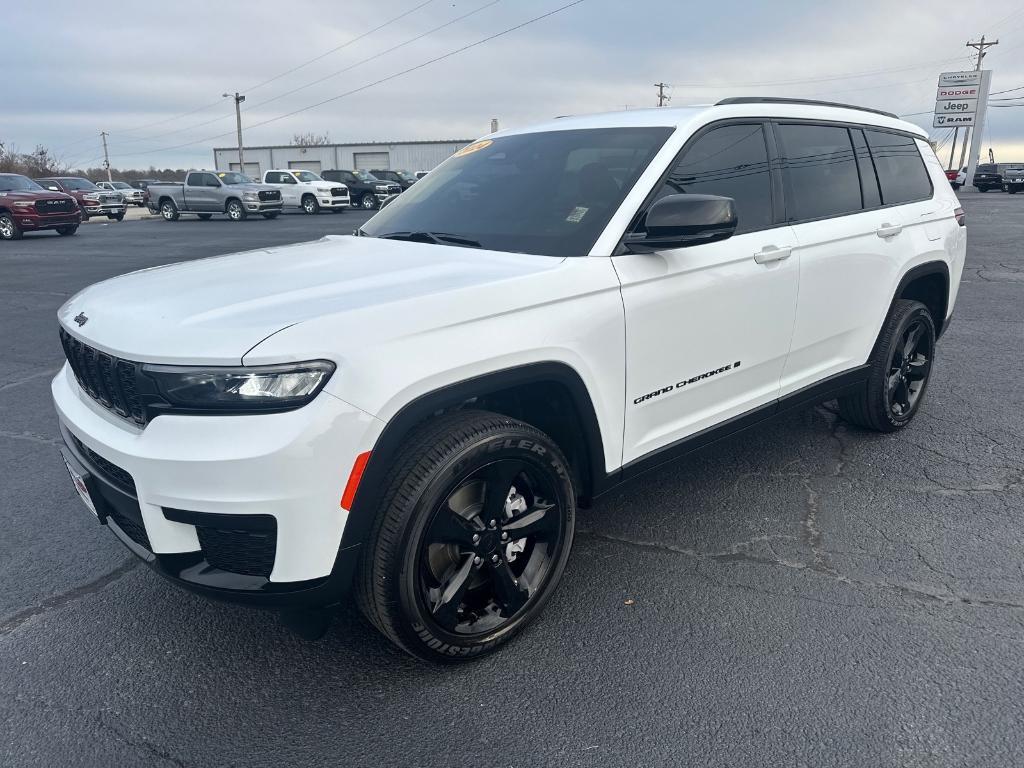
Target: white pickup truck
[{"x": 308, "y": 191}]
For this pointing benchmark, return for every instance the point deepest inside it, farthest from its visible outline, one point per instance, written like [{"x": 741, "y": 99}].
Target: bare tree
[{"x": 310, "y": 139}]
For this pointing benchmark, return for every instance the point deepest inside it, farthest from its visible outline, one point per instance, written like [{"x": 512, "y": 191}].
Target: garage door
[
  {"x": 367, "y": 161},
  {"x": 305, "y": 165},
  {"x": 252, "y": 170}
]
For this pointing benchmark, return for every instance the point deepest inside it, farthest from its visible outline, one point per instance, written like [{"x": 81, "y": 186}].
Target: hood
[
  {"x": 212, "y": 311},
  {"x": 39, "y": 194},
  {"x": 256, "y": 186},
  {"x": 326, "y": 185}
]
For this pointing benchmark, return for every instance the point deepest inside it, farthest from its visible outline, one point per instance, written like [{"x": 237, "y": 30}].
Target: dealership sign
[
  {"x": 972, "y": 77},
  {"x": 956, "y": 101}
]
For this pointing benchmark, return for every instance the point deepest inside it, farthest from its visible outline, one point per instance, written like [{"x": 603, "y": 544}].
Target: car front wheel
[
  {"x": 9, "y": 229},
  {"x": 369, "y": 202},
  {"x": 68, "y": 230},
  {"x": 310, "y": 205},
  {"x": 471, "y": 536},
  {"x": 236, "y": 212}
]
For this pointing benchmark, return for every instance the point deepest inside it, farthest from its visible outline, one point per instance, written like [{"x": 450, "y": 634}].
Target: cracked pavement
[{"x": 804, "y": 593}]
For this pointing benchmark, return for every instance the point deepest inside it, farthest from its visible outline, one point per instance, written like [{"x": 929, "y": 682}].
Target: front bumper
[
  {"x": 114, "y": 209},
  {"x": 32, "y": 221},
  {"x": 184, "y": 478},
  {"x": 328, "y": 201},
  {"x": 262, "y": 206}
]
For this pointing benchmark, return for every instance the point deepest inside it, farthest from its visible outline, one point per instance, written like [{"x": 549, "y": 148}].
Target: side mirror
[{"x": 678, "y": 221}]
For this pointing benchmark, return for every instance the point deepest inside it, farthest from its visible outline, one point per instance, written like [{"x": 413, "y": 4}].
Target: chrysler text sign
[{"x": 972, "y": 77}]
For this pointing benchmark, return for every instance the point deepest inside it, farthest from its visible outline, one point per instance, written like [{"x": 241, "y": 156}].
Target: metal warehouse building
[{"x": 400, "y": 155}]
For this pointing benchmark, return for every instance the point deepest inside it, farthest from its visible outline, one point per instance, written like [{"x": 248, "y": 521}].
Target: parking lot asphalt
[{"x": 804, "y": 593}]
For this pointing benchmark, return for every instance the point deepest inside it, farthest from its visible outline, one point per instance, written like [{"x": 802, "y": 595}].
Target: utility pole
[
  {"x": 238, "y": 119},
  {"x": 106, "y": 157},
  {"x": 979, "y": 119},
  {"x": 952, "y": 147},
  {"x": 662, "y": 98}
]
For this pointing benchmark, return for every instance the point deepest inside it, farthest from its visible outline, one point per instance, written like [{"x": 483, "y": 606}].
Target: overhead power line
[
  {"x": 347, "y": 43},
  {"x": 428, "y": 62}
]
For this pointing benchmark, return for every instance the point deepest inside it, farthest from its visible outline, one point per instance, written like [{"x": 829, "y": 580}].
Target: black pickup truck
[
  {"x": 404, "y": 179},
  {"x": 1013, "y": 178},
  {"x": 986, "y": 177},
  {"x": 364, "y": 189}
]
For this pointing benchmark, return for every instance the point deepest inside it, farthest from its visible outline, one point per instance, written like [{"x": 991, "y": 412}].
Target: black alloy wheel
[
  {"x": 899, "y": 368},
  {"x": 909, "y": 367},
  {"x": 488, "y": 549},
  {"x": 472, "y": 530}
]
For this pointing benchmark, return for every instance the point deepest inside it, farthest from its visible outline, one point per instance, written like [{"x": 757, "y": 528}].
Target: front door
[{"x": 708, "y": 327}]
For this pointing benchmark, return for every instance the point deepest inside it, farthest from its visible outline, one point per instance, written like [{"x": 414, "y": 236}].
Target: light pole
[{"x": 238, "y": 119}]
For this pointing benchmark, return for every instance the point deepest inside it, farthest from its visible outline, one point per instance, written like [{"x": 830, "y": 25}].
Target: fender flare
[
  {"x": 922, "y": 270},
  {"x": 364, "y": 507}
]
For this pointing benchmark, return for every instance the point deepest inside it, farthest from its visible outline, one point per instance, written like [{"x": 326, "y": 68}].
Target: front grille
[
  {"x": 339, "y": 192},
  {"x": 55, "y": 206},
  {"x": 270, "y": 195},
  {"x": 110, "y": 199},
  {"x": 239, "y": 551},
  {"x": 117, "y": 476},
  {"x": 108, "y": 380},
  {"x": 394, "y": 189}
]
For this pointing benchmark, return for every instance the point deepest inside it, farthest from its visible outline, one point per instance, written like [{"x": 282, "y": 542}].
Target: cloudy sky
[{"x": 152, "y": 75}]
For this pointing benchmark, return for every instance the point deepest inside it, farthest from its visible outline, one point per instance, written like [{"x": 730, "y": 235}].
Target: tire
[
  {"x": 310, "y": 205},
  {"x": 169, "y": 210},
  {"x": 368, "y": 202},
  {"x": 469, "y": 462},
  {"x": 205, "y": 216},
  {"x": 1012, "y": 190},
  {"x": 118, "y": 217},
  {"x": 9, "y": 229},
  {"x": 68, "y": 230},
  {"x": 896, "y": 382},
  {"x": 337, "y": 210},
  {"x": 236, "y": 211},
  {"x": 982, "y": 189},
  {"x": 271, "y": 215}
]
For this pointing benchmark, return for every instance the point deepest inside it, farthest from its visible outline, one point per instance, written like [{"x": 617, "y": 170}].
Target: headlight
[
  {"x": 255, "y": 388},
  {"x": 250, "y": 195},
  {"x": 23, "y": 204},
  {"x": 91, "y": 196}
]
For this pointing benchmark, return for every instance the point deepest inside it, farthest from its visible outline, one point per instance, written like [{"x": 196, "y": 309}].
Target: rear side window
[
  {"x": 821, "y": 171},
  {"x": 273, "y": 177},
  {"x": 901, "y": 171},
  {"x": 731, "y": 161}
]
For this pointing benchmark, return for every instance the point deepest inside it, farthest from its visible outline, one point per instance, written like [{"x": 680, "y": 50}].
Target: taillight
[{"x": 960, "y": 216}]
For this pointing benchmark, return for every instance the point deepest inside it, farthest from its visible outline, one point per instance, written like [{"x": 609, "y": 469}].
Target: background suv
[
  {"x": 987, "y": 176},
  {"x": 130, "y": 194}
]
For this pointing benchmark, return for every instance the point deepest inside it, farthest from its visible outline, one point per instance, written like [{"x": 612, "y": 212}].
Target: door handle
[
  {"x": 889, "y": 230},
  {"x": 772, "y": 253}
]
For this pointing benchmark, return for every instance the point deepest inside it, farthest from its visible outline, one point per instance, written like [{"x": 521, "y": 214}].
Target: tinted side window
[
  {"x": 901, "y": 171},
  {"x": 868, "y": 178},
  {"x": 274, "y": 177},
  {"x": 731, "y": 161},
  {"x": 821, "y": 171}
]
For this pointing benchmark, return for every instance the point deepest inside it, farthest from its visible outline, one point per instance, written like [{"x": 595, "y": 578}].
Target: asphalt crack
[
  {"x": 30, "y": 377},
  {"x": 30, "y": 437},
  {"x": 56, "y": 602}
]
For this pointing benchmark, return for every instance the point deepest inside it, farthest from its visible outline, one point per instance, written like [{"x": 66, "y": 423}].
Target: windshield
[
  {"x": 78, "y": 184},
  {"x": 987, "y": 169},
  {"x": 365, "y": 176},
  {"x": 306, "y": 176},
  {"x": 13, "y": 182},
  {"x": 549, "y": 193},
  {"x": 234, "y": 178},
  {"x": 119, "y": 185},
  {"x": 406, "y": 176}
]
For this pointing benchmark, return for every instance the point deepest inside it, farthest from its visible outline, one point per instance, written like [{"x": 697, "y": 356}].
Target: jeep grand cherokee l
[
  {"x": 412, "y": 416},
  {"x": 26, "y": 207}
]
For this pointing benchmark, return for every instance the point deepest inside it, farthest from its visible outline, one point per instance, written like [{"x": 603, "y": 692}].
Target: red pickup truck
[
  {"x": 25, "y": 206},
  {"x": 91, "y": 199}
]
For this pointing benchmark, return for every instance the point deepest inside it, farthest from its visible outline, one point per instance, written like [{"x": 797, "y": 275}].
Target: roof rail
[{"x": 812, "y": 102}]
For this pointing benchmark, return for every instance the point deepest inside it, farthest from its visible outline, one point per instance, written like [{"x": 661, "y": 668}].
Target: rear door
[
  {"x": 853, "y": 237},
  {"x": 708, "y": 327}
]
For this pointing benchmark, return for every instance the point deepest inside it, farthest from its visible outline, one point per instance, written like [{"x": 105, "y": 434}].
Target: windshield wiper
[{"x": 440, "y": 238}]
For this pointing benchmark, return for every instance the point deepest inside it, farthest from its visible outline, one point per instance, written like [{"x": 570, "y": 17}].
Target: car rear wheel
[
  {"x": 900, "y": 366},
  {"x": 169, "y": 210},
  {"x": 310, "y": 205},
  {"x": 9, "y": 229},
  {"x": 68, "y": 230},
  {"x": 118, "y": 217},
  {"x": 368, "y": 202},
  {"x": 472, "y": 534},
  {"x": 236, "y": 211}
]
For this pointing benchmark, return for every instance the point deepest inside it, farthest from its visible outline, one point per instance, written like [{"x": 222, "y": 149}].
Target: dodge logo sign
[{"x": 81, "y": 319}]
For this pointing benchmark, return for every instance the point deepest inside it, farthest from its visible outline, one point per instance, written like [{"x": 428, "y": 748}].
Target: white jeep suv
[
  {"x": 308, "y": 191},
  {"x": 411, "y": 416}
]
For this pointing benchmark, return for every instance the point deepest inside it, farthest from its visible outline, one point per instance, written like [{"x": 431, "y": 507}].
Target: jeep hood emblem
[{"x": 81, "y": 319}]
